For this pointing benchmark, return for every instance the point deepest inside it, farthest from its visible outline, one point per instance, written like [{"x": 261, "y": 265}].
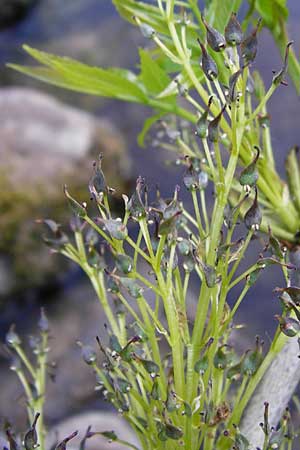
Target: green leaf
[
  {"x": 272, "y": 11},
  {"x": 154, "y": 78},
  {"x": 146, "y": 127},
  {"x": 219, "y": 12},
  {"x": 74, "y": 75}
]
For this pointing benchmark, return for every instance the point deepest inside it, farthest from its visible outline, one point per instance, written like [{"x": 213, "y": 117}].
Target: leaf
[
  {"x": 74, "y": 75},
  {"x": 272, "y": 11},
  {"x": 219, "y": 13},
  {"x": 146, "y": 128},
  {"x": 154, "y": 78}
]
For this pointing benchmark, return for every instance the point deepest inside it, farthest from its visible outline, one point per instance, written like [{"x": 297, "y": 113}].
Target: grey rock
[
  {"x": 99, "y": 421},
  {"x": 45, "y": 144}
]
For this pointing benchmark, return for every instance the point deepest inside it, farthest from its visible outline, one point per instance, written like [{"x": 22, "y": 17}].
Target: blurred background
[{"x": 49, "y": 137}]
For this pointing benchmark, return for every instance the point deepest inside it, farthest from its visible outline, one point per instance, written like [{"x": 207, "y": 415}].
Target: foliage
[{"x": 178, "y": 380}]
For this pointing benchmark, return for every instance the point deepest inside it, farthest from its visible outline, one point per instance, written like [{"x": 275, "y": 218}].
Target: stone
[
  {"x": 44, "y": 145},
  {"x": 99, "y": 421}
]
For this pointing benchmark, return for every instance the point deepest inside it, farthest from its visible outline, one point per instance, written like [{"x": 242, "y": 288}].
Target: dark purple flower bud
[
  {"x": 202, "y": 123},
  {"x": 279, "y": 77},
  {"x": 213, "y": 127},
  {"x": 233, "y": 31},
  {"x": 214, "y": 38},
  {"x": 289, "y": 326},
  {"x": 249, "y": 45},
  {"x": 31, "y": 437},
  {"x": 249, "y": 175},
  {"x": 253, "y": 216},
  {"x": 208, "y": 65}
]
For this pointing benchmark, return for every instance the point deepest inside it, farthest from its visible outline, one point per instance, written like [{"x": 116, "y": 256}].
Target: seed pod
[
  {"x": 147, "y": 31},
  {"x": 293, "y": 291},
  {"x": 114, "y": 344},
  {"x": 234, "y": 372},
  {"x": 12, "y": 338},
  {"x": 208, "y": 65},
  {"x": 233, "y": 31},
  {"x": 279, "y": 77},
  {"x": 249, "y": 175},
  {"x": 173, "y": 432},
  {"x": 171, "y": 402},
  {"x": 202, "y": 124},
  {"x": 189, "y": 263},
  {"x": 214, "y": 38},
  {"x": 151, "y": 367},
  {"x": 63, "y": 444},
  {"x": 210, "y": 275},
  {"x": 201, "y": 365},
  {"x": 249, "y": 45},
  {"x": 289, "y": 326},
  {"x": 233, "y": 95},
  {"x": 112, "y": 284},
  {"x": 155, "y": 391},
  {"x": 241, "y": 442},
  {"x": 43, "y": 322},
  {"x": 31, "y": 437},
  {"x": 116, "y": 229},
  {"x": 223, "y": 357},
  {"x": 251, "y": 362},
  {"x": 124, "y": 263},
  {"x": 184, "y": 247},
  {"x": 88, "y": 354},
  {"x": 124, "y": 385},
  {"x": 78, "y": 209},
  {"x": 97, "y": 184},
  {"x": 187, "y": 410},
  {"x": 253, "y": 276},
  {"x": 161, "y": 431},
  {"x": 253, "y": 216},
  {"x": 190, "y": 179},
  {"x": 213, "y": 126},
  {"x": 13, "y": 445},
  {"x": 276, "y": 439},
  {"x": 135, "y": 205},
  {"x": 132, "y": 287}
]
